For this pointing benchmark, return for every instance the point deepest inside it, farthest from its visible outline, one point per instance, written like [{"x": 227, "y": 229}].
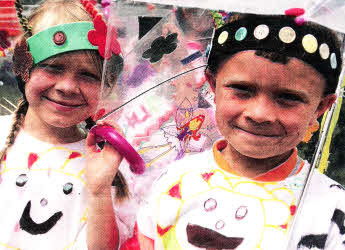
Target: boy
[{"x": 272, "y": 79}]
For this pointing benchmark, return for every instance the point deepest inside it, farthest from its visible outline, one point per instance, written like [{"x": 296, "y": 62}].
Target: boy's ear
[
  {"x": 325, "y": 103},
  {"x": 212, "y": 81}
]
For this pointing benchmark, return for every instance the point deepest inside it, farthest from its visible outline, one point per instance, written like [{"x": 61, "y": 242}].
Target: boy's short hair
[{"x": 278, "y": 37}]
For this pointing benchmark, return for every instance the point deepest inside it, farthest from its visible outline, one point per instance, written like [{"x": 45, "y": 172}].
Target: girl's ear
[{"x": 325, "y": 103}]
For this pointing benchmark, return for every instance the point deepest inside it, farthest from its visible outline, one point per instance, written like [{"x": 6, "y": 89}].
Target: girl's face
[
  {"x": 64, "y": 91},
  {"x": 263, "y": 109}
]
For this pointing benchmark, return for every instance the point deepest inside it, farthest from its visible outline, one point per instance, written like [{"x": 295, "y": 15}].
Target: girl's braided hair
[{"x": 68, "y": 11}]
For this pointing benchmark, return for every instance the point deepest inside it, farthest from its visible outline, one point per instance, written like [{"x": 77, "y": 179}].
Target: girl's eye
[
  {"x": 22, "y": 180},
  {"x": 68, "y": 188},
  {"x": 90, "y": 76}
]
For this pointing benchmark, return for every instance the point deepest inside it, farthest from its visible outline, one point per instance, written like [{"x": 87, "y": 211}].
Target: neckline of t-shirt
[
  {"x": 292, "y": 166},
  {"x": 26, "y": 136}
]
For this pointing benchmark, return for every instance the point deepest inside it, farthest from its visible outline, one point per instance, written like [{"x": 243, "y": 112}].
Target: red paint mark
[
  {"x": 16, "y": 227},
  {"x": 134, "y": 120},
  {"x": 293, "y": 210},
  {"x": 175, "y": 191},
  {"x": 32, "y": 159},
  {"x": 162, "y": 231},
  {"x": 150, "y": 7},
  {"x": 189, "y": 85},
  {"x": 74, "y": 155},
  {"x": 207, "y": 176},
  {"x": 194, "y": 45},
  {"x": 294, "y": 12},
  {"x": 5, "y": 157},
  {"x": 284, "y": 226},
  {"x": 154, "y": 127}
]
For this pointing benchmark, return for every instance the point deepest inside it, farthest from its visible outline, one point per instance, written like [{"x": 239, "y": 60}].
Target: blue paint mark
[{"x": 191, "y": 58}]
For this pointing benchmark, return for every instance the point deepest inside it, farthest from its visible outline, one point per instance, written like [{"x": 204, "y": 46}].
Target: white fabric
[
  {"x": 329, "y": 13},
  {"x": 48, "y": 168},
  {"x": 233, "y": 206}
]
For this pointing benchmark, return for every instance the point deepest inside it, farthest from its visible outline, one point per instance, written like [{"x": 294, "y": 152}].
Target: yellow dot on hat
[
  {"x": 261, "y": 31},
  {"x": 309, "y": 43},
  {"x": 223, "y": 37},
  {"x": 324, "y": 51},
  {"x": 287, "y": 35},
  {"x": 333, "y": 59}
]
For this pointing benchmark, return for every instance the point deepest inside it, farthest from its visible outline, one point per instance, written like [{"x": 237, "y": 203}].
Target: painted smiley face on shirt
[{"x": 47, "y": 200}]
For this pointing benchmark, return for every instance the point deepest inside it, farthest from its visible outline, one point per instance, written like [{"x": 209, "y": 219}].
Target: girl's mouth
[{"x": 63, "y": 105}]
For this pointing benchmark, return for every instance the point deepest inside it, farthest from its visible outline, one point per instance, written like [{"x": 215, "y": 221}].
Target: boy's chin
[{"x": 261, "y": 153}]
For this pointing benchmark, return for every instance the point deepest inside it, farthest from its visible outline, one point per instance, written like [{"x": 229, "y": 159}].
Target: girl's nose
[{"x": 67, "y": 85}]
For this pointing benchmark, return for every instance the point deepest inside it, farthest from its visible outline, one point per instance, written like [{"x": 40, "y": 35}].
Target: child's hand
[{"x": 101, "y": 165}]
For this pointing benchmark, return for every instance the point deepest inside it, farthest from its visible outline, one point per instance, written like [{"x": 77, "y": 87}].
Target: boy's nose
[{"x": 261, "y": 111}]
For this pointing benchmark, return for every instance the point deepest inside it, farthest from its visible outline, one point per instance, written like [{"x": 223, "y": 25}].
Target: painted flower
[
  {"x": 22, "y": 60},
  {"x": 98, "y": 36}
]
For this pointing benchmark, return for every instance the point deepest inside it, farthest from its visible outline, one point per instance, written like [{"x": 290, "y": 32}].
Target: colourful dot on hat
[
  {"x": 309, "y": 43},
  {"x": 261, "y": 31},
  {"x": 333, "y": 61},
  {"x": 287, "y": 35},
  {"x": 240, "y": 34},
  {"x": 324, "y": 51},
  {"x": 223, "y": 37},
  {"x": 59, "y": 38}
]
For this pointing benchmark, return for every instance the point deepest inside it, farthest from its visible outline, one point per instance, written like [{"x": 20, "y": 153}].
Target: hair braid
[
  {"x": 120, "y": 183},
  {"x": 18, "y": 119},
  {"x": 22, "y": 19}
]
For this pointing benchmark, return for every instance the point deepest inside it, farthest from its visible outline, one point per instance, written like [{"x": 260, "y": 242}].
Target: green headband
[{"x": 60, "y": 39}]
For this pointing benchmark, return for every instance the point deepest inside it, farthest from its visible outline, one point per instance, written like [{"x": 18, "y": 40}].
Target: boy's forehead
[{"x": 246, "y": 67}]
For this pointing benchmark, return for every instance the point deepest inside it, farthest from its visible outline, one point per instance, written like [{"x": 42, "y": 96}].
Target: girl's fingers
[
  {"x": 112, "y": 124},
  {"x": 91, "y": 142}
]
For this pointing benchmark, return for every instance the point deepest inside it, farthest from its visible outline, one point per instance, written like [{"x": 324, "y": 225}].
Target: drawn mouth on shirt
[
  {"x": 207, "y": 238},
  {"x": 27, "y": 224}
]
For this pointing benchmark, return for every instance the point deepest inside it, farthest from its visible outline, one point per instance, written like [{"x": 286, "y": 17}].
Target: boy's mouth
[{"x": 258, "y": 132}]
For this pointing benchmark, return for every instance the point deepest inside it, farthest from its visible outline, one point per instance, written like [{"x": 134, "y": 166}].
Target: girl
[
  {"x": 272, "y": 79},
  {"x": 56, "y": 192}
]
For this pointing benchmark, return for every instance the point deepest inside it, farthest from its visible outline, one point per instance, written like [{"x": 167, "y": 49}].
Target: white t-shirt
[
  {"x": 43, "y": 195},
  {"x": 199, "y": 203}
]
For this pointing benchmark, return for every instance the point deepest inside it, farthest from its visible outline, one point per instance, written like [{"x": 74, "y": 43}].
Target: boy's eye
[
  {"x": 289, "y": 99},
  {"x": 241, "y": 90}
]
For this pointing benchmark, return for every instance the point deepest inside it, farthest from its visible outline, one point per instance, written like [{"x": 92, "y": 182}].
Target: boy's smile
[{"x": 263, "y": 108}]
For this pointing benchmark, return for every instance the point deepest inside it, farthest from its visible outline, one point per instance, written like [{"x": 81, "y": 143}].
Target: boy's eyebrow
[{"x": 301, "y": 94}]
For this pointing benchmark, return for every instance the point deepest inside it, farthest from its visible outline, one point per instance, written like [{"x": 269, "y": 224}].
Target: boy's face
[{"x": 263, "y": 109}]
